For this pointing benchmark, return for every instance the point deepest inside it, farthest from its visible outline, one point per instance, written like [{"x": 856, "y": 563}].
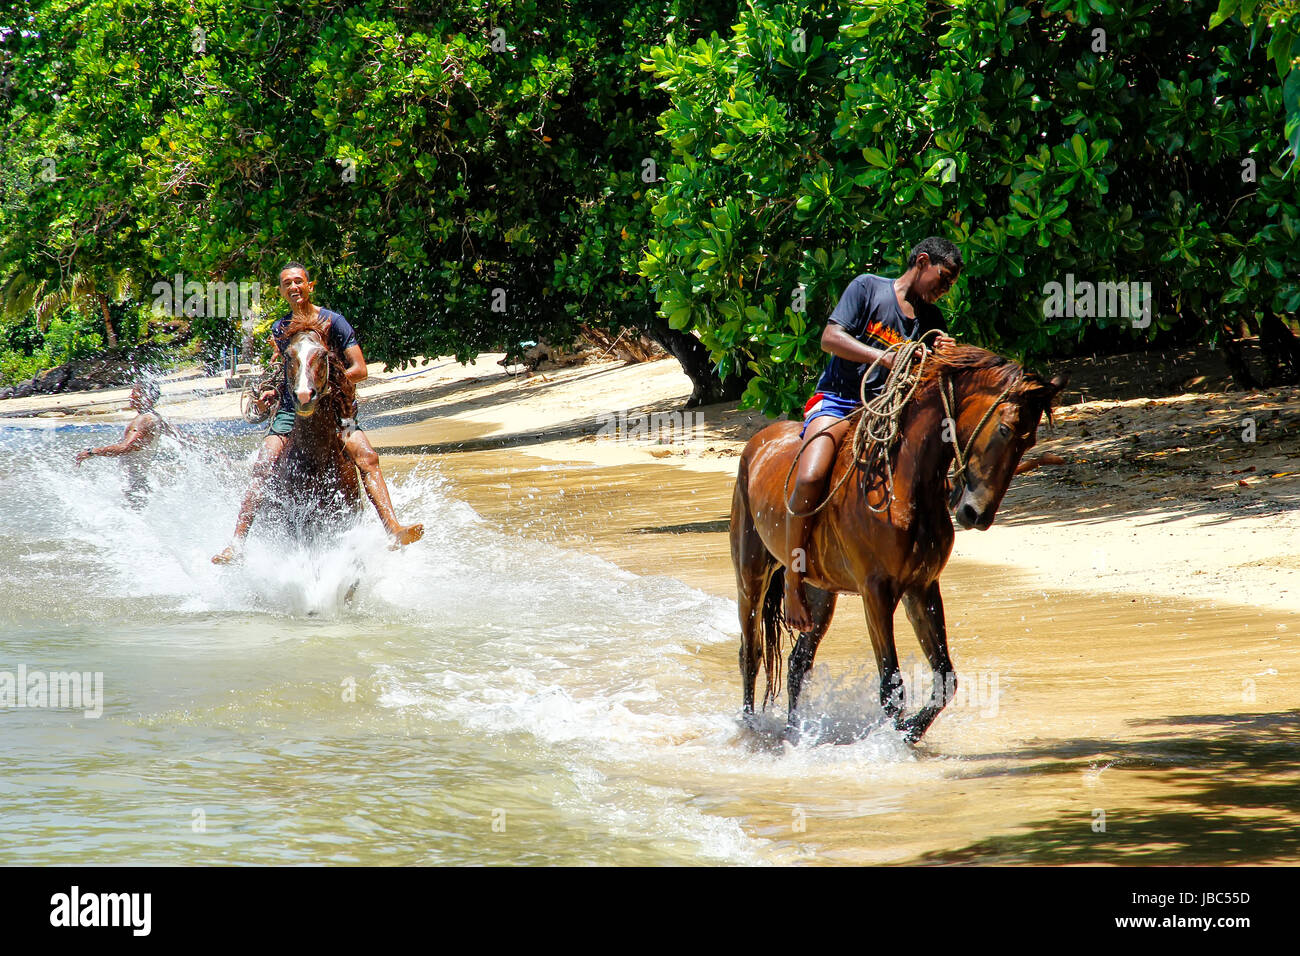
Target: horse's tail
[{"x": 775, "y": 630}]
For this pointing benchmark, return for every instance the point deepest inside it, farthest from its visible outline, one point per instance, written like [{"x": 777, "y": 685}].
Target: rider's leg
[
  {"x": 367, "y": 460},
  {"x": 809, "y": 482},
  {"x": 272, "y": 448}
]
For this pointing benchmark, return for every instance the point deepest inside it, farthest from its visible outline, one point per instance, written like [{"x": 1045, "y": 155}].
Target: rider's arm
[
  {"x": 356, "y": 370},
  {"x": 838, "y": 342},
  {"x": 269, "y": 395}
]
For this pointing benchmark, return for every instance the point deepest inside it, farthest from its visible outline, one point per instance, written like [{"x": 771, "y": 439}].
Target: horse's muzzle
[{"x": 969, "y": 516}]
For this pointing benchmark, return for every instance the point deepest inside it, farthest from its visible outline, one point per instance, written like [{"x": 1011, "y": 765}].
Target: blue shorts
[
  {"x": 284, "y": 419},
  {"x": 827, "y": 403}
]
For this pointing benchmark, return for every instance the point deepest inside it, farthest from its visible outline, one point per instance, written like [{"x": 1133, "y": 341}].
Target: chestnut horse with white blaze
[
  {"x": 896, "y": 552},
  {"x": 314, "y": 487}
]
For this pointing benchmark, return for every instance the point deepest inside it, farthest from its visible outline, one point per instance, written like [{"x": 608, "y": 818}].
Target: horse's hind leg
[
  {"x": 821, "y": 604},
  {"x": 754, "y": 566},
  {"x": 924, "y": 608}
]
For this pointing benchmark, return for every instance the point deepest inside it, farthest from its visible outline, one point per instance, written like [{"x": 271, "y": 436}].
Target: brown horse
[
  {"x": 314, "y": 486},
  {"x": 896, "y": 552}
]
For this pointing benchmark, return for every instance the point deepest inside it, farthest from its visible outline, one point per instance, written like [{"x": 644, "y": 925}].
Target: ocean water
[
  {"x": 484, "y": 697},
  {"x": 480, "y": 698}
]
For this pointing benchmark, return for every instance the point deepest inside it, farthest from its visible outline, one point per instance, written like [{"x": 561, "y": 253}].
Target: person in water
[
  {"x": 873, "y": 314},
  {"x": 142, "y": 433},
  {"x": 296, "y": 288}
]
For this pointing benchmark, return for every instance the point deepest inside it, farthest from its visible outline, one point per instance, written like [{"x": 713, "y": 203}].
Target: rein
[
  {"x": 963, "y": 457},
  {"x": 877, "y": 430}
]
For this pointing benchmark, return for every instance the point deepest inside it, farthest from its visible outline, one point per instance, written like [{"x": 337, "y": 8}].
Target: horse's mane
[
  {"x": 995, "y": 372},
  {"x": 343, "y": 391}
]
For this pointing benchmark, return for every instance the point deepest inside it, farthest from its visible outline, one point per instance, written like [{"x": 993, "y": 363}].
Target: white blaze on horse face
[{"x": 305, "y": 350}]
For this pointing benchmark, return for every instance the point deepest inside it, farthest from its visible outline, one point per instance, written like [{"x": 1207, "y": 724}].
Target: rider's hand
[
  {"x": 944, "y": 341},
  {"x": 266, "y": 398}
]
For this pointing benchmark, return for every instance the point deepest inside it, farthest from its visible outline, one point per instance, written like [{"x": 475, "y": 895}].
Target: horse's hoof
[{"x": 791, "y": 735}]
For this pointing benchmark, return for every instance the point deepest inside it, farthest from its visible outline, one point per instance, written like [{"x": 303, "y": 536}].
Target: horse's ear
[{"x": 1044, "y": 393}]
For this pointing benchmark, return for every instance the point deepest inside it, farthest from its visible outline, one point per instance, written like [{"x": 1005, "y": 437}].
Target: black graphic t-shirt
[{"x": 869, "y": 311}]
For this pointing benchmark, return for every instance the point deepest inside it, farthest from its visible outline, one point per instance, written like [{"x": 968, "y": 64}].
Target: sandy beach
[{"x": 1159, "y": 497}]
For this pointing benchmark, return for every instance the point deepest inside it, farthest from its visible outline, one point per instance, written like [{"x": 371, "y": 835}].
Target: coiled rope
[
  {"x": 877, "y": 430},
  {"x": 251, "y": 394}
]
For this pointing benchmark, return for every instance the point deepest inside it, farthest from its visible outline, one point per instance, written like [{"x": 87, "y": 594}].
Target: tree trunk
[
  {"x": 697, "y": 365},
  {"x": 1231, "y": 349},
  {"x": 108, "y": 321}
]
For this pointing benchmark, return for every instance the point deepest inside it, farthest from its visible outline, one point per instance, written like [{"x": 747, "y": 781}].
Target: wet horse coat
[
  {"x": 314, "y": 488},
  {"x": 887, "y": 556}
]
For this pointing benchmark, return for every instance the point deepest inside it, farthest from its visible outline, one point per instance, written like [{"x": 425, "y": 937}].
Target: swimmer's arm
[{"x": 139, "y": 434}]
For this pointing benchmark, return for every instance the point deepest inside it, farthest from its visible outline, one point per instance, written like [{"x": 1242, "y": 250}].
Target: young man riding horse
[
  {"x": 873, "y": 314},
  {"x": 296, "y": 288}
]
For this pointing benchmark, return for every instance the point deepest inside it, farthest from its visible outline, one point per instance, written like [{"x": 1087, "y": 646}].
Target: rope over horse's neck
[{"x": 898, "y": 415}]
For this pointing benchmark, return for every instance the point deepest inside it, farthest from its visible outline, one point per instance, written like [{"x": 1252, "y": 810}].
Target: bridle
[{"x": 963, "y": 455}]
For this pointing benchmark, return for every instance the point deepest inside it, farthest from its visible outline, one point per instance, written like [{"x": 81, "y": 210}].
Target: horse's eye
[{"x": 1004, "y": 431}]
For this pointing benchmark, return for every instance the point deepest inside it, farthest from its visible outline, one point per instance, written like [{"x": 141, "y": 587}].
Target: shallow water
[{"x": 491, "y": 695}]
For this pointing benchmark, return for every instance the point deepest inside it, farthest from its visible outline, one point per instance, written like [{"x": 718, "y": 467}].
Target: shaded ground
[{"x": 1220, "y": 808}]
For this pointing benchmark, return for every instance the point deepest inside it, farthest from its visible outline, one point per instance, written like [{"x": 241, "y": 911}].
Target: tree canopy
[{"x": 711, "y": 173}]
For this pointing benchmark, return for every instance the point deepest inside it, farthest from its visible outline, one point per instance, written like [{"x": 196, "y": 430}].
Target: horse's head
[
  {"x": 307, "y": 362},
  {"x": 997, "y": 407}
]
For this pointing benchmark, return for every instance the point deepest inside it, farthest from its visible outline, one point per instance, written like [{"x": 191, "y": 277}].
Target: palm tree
[{"x": 19, "y": 292}]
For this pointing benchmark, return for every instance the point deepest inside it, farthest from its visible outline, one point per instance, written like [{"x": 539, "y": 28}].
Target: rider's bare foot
[
  {"x": 406, "y": 534},
  {"x": 226, "y": 557},
  {"x": 797, "y": 614}
]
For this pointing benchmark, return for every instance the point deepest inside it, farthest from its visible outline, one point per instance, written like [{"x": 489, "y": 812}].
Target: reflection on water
[{"x": 488, "y": 696}]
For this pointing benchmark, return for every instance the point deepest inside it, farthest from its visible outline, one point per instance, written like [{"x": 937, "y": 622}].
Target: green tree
[
  {"x": 464, "y": 178},
  {"x": 1071, "y": 137}
]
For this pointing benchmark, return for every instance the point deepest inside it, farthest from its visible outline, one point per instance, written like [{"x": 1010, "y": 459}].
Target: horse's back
[{"x": 776, "y": 442}]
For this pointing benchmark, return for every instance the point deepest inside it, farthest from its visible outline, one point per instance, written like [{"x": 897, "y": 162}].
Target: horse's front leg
[
  {"x": 880, "y": 596},
  {"x": 924, "y": 606}
]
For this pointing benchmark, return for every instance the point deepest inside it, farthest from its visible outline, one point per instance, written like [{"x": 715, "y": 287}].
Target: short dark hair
[
  {"x": 939, "y": 250},
  {"x": 292, "y": 264}
]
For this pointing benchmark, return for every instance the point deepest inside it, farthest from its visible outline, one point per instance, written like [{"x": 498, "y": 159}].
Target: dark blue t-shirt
[
  {"x": 869, "y": 311},
  {"x": 341, "y": 338}
]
